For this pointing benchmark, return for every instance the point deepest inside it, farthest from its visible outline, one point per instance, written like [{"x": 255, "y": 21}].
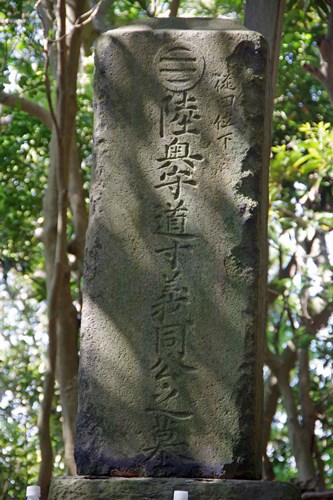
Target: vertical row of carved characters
[
  {"x": 179, "y": 70},
  {"x": 225, "y": 117}
]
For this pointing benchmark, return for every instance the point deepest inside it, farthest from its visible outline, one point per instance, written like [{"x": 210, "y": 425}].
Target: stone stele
[{"x": 171, "y": 365}]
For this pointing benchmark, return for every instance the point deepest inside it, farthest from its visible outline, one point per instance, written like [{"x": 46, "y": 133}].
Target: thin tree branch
[
  {"x": 80, "y": 22},
  {"x": 304, "y": 300},
  {"x": 284, "y": 362},
  {"x": 4, "y": 490},
  {"x": 144, "y": 7},
  {"x": 324, "y": 72},
  {"x": 48, "y": 88},
  {"x": 330, "y": 23},
  {"x": 288, "y": 213},
  {"x": 299, "y": 438},
  {"x": 33, "y": 109},
  {"x": 316, "y": 72},
  {"x": 319, "y": 320},
  {"x": 284, "y": 272},
  {"x": 307, "y": 408},
  {"x": 276, "y": 340},
  {"x": 74, "y": 47},
  {"x": 100, "y": 22},
  {"x": 320, "y": 465},
  {"x": 271, "y": 398}
]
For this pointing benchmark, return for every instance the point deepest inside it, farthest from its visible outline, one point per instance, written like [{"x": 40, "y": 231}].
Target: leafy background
[{"x": 300, "y": 234}]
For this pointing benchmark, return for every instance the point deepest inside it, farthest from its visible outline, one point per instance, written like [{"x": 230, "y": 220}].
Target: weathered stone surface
[
  {"x": 162, "y": 489},
  {"x": 171, "y": 368}
]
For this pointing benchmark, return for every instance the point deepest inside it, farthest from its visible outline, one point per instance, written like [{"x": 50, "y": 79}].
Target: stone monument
[{"x": 175, "y": 267}]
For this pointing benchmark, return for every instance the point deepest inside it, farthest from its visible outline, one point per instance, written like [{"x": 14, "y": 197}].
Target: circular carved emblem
[{"x": 179, "y": 66}]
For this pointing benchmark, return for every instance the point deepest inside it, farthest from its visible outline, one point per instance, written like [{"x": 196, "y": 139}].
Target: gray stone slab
[
  {"x": 171, "y": 362},
  {"x": 162, "y": 489}
]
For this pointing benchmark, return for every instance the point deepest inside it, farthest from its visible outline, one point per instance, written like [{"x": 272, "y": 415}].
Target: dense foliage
[
  {"x": 300, "y": 286},
  {"x": 299, "y": 97},
  {"x": 299, "y": 337}
]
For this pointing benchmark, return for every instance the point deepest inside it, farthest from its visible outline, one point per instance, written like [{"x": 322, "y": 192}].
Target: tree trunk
[
  {"x": 65, "y": 190},
  {"x": 300, "y": 436},
  {"x": 271, "y": 399},
  {"x": 49, "y": 238},
  {"x": 300, "y": 439}
]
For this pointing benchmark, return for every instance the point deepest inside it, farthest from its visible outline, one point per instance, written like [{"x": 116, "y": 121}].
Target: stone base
[{"x": 81, "y": 488}]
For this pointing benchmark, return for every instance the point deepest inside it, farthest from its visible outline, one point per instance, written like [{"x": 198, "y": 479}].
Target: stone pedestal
[
  {"x": 171, "y": 367},
  {"x": 162, "y": 489}
]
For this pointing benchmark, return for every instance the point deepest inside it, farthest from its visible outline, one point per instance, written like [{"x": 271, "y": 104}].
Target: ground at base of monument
[{"x": 79, "y": 488}]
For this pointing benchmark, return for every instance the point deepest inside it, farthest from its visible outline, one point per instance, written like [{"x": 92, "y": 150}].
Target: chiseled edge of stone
[
  {"x": 81, "y": 488},
  {"x": 184, "y": 23}
]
